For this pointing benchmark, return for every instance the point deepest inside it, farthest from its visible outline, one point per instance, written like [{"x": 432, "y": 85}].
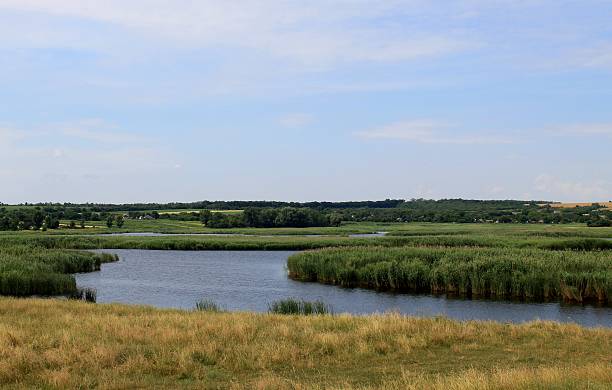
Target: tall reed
[{"x": 298, "y": 306}]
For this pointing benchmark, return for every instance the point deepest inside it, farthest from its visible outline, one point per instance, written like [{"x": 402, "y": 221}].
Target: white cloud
[
  {"x": 571, "y": 190},
  {"x": 429, "y": 132}
]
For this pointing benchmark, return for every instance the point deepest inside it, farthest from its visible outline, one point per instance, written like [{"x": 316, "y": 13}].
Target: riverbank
[{"x": 87, "y": 345}]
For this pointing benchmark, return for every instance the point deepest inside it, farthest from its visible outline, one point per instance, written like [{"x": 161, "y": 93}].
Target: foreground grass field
[{"x": 113, "y": 346}]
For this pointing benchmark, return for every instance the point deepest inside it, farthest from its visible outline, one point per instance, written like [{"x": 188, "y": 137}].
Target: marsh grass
[
  {"x": 54, "y": 241},
  {"x": 84, "y": 294},
  {"x": 299, "y": 306},
  {"x": 27, "y": 269},
  {"x": 518, "y": 273},
  {"x": 207, "y": 305}
]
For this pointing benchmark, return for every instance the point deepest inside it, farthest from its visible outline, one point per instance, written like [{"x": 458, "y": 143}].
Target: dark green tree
[
  {"x": 119, "y": 221},
  {"x": 335, "y": 219},
  {"x": 205, "y": 216},
  {"x": 109, "y": 221}
]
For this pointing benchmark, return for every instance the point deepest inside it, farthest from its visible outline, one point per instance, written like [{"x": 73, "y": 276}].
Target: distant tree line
[
  {"x": 473, "y": 211},
  {"x": 48, "y": 217},
  {"x": 27, "y": 219},
  {"x": 271, "y": 217},
  {"x": 291, "y": 214},
  {"x": 219, "y": 205}
]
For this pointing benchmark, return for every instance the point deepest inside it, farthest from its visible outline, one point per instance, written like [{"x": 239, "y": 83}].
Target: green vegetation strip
[{"x": 575, "y": 276}]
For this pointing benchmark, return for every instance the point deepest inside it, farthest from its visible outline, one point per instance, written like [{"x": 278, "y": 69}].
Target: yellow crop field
[{"x": 607, "y": 205}]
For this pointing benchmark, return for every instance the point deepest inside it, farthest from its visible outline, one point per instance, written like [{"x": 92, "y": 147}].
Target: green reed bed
[
  {"x": 226, "y": 243},
  {"x": 523, "y": 273},
  {"x": 509, "y": 230},
  {"x": 295, "y": 243},
  {"x": 249, "y": 243},
  {"x": 33, "y": 270},
  {"x": 299, "y": 306}
]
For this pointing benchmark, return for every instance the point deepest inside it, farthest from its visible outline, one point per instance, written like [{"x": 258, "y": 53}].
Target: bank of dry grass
[{"x": 64, "y": 344}]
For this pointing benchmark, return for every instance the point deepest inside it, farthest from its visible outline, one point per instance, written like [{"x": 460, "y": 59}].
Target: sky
[{"x": 178, "y": 100}]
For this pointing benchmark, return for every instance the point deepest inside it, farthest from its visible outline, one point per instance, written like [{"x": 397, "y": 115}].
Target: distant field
[
  {"x": 178, "y": 211},
  {"x": 393, "y": 229},
  {"x": 607, "y": 205},
  {"x": 168, "y": 211},
  {"x": 172, "y": 226},
  {"x": 14, "y": 207}
]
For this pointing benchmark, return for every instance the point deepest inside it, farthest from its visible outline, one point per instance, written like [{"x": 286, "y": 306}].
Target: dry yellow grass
[
  {"x": 607, "y": 205},
  {"x": 65, "y": 344}
]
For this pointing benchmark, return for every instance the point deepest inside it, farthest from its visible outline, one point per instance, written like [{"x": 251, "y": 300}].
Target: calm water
[{"x": 249, "y": 280}]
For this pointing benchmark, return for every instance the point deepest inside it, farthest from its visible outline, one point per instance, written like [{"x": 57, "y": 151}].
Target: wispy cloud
[
  {"x": 97, "y": 130},
  {"x": 319, "y": 33},
  {"x": 295, "y": 120},
  {"x": 557, "y": 187},
  {"x": 429, "y": 132},
  {"x": 582, "y": 129},
  {"x": 94, "y": 130},
  {"x": 596, "y": 56},
  {"x": 9, "y": 134},
  {"x": 50, "y": 161}
]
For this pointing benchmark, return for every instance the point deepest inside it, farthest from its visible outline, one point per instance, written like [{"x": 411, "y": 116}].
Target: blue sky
[{"x": 114, "y": 101}]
